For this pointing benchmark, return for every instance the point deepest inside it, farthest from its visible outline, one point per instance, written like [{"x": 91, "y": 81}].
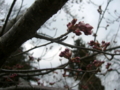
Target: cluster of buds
[
  {"x": 13, "y": 75},
  {"x": 38, "y": 83},
  {"x": 97, "y": 63},
  {"x": 31, "y": 58},
  {"x": 89, "y": 66},
  {"x": 80, "y": 27},
  {"x": 84, "y": 86},
  {"x": 55, "y": 72},
  {"x": 94, "y": 64},
  {"x": 97, "y": 45},
  {"x": 36, "y": 79},
  {"x": 117, "y": 51},
  {"x": 51, "y": 83},
  {"x": 66, "y": 53},
  {"x": 18, "y": 66},
  {"x": 79, "y": 69},
  {"x": 76, "y": 59},
  {"x": 38, "y": 59},
  {"x": 8, "y": 67},
  {"x": 66, "y": 86}
]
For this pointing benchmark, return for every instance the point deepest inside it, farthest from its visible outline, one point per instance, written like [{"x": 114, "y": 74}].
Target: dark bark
[{"x": 26, "y": 27}]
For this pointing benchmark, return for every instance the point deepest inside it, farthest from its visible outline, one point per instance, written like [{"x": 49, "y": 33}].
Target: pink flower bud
[
  {"x": 77, "y": 32},
  {"x": 74, "y": 21}
]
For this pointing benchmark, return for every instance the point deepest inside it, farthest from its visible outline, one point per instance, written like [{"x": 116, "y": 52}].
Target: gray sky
[{"x": 26, "y": 2}]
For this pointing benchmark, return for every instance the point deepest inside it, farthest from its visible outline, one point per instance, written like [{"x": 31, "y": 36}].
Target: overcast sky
[{"x": 26, "y": 2}]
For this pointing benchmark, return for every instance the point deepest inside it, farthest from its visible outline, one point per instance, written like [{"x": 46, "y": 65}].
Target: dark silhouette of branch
[
  {"x": 69, "y": 45},
  {"x": 4, "y": 26}
]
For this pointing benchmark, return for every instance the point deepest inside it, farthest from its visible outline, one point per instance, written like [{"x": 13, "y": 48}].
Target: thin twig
[
  {"x": 19, "y": 9},
  {"x": 117, "y": 33},
  {"x": 29, "y": 50},
  {"x": 10, "y": 11},
  {"x": 101, "y": 18}
]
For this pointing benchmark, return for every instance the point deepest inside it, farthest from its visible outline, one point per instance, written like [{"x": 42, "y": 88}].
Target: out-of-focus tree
[{"x": 26, "y": 28}]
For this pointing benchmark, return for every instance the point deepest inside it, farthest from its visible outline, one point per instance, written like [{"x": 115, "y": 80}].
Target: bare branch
[{"x": 72, "y": 46}]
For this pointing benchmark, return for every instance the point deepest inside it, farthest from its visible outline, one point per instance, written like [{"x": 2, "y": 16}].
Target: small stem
[{"x": 100, "y": 20}]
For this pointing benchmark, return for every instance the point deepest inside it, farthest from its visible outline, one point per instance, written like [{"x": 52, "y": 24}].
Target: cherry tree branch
[{"x": 72, "y": 46}]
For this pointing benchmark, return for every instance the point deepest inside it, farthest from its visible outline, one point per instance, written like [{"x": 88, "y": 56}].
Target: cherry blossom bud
[
  {"x": 52, "y": 83},
  {"x": 74, "y": 21},
  {"x": 91, "y": 43},
  {"x": 61, "y": 54},
  {"x": 77, "y": 32},
  {"x": 107, "y": 44}
]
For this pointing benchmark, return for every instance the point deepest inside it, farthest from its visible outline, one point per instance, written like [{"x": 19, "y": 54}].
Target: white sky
[{"x": 26, "y": 2}]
